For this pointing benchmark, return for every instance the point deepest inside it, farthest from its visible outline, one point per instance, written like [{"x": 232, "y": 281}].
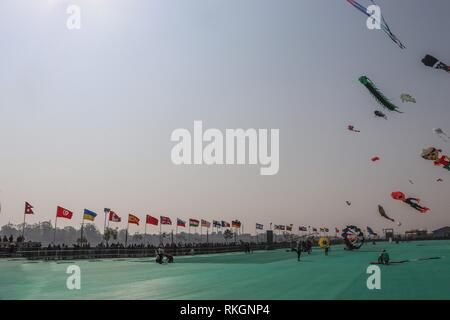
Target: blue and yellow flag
[{"x": 89, "y": 215}]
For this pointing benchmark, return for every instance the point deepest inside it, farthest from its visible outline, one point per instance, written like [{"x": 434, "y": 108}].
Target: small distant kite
[
  {"x": 407, "y": 98},
  {"x": 383, "y": 24},
  {"x": 353, "y": 237},
  {"x": 383, "y": 213},
  {"x": 376, "y": 158},
  {"x": 381, "y": 99},
  {"x": 439, "y": 180},
  {"x": 432, "y": 62},
  {"x": 352, "y": 128},
  {"x": 434, "y": 154},
  {"x": 441, "y": 134},
  {"x": 379, "y": 114},
  {"x": 413, "y": 202},
  {"x": 348, "y": 203},
  {"x": 410, "y": 181}
]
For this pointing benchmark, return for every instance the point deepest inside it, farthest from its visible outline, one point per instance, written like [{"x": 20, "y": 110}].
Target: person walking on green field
[{"x": 299, "y": 250}]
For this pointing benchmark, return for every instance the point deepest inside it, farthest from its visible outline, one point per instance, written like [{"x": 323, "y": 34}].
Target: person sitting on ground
[
  {"x": 159, "y": 255},
  {"x": 383, "y": 258}
]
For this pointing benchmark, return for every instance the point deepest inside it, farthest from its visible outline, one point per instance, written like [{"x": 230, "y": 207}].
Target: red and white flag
[
  {"x": 206, "y": 224},
  {"x": 63, "y": 213},
  {"x": 28, "y": 208},
  {"x": 165, "y": 220},
  {"x": 114, "y": 217}
]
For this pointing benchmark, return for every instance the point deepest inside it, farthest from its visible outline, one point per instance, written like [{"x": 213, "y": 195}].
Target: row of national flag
[
  {"x": 163, "y": 220},
  {"x": 133, "y": 219}
]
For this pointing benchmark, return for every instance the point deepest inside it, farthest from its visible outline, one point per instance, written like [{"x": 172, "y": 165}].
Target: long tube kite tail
[{"x": 378, "y": 95}]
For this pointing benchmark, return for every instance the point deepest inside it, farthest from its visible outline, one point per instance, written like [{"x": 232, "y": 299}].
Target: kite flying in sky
[
  {"x": 413, "y": 202},
  {"x": 441, "y": 134},
  {"x": 348, "y": 203},
  {"x": 434, "y": 154},
  {"x": 383, "y": 213},
  {"x": 376, "y": 158},
  {"x": 381, "y": 99},
  {"x": 371, "y": 232},
  {"x": 379, "y": 114},
  {"x": 352, "y": 128},
  {"x": 407, "y": 98},
  {"x": 432, "y": 62},
  {"x": 382, "y": 22}
]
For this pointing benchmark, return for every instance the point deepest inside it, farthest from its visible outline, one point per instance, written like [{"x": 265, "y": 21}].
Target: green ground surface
[{"x": 261, "y": 275}]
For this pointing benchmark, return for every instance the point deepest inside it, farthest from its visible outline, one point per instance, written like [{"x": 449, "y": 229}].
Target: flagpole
[
  {"x": 104, "y": 225},
  {"x": 189, "y": 232},
  {"x": 201, "y": 232},
  {"x": 54, "y": 234},
  {"x": 145, "y": 229},
  {"x": 23, "y": 228},
  {"x": 82, "y": 227},
  {"x": 126, "y": 234},
  {"x": 160, "y": 225}
]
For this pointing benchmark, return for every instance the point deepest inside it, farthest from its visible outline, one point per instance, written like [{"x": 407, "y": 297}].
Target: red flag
[
  {"x": 133, "y": 219},
  {"x": 165, "y": 220},
  {"x": 63, "y": 213},
  {"x": 28, "y": 208},
  {"x": 151, "y": 220},
  {"x": 114, "y": 217}
]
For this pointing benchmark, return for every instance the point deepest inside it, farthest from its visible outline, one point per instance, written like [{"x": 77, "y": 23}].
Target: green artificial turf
[{"x": 261, "y": 275}]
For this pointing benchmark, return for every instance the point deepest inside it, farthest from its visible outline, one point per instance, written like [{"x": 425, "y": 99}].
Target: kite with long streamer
[
  {"x": 377, "y": 94},
  {"x": 382, "y": 22}
]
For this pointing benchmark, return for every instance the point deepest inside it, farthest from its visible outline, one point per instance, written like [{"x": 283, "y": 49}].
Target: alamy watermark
[
  {"x": 374, "y": 280},
  {"x": 236, "y": 146},
  {"x": 73, "y": 281},
  {"x": 374, "y": 20}
]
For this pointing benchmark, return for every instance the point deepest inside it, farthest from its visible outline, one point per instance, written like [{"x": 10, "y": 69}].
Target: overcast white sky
[{"x": 86, "y": 115}]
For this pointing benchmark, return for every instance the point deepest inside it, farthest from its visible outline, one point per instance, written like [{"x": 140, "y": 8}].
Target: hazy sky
[{"x": 86, "y": 115}]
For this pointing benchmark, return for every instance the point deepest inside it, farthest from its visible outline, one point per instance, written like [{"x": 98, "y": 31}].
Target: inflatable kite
[
  {"x": 432, "y": 62},
  {"x": 383, "y": 213},
  {"x": 371, "y": 232},
  {"x": 324, "y": 242},
  {"x": 441, "y": 134},
  {"x": 381, "y": 99},
  {"x": 413, "y": 202},
  {"x": 379, "y": 114},
  {"x": 353, "y": 237},
  {"x": 382, "y": 22},
  {"x": 352, "y": 128},
  {"x": 407, "y": 98},
  {"x": 376, "y": 158},
  {"x": 433, "y": 154}
]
